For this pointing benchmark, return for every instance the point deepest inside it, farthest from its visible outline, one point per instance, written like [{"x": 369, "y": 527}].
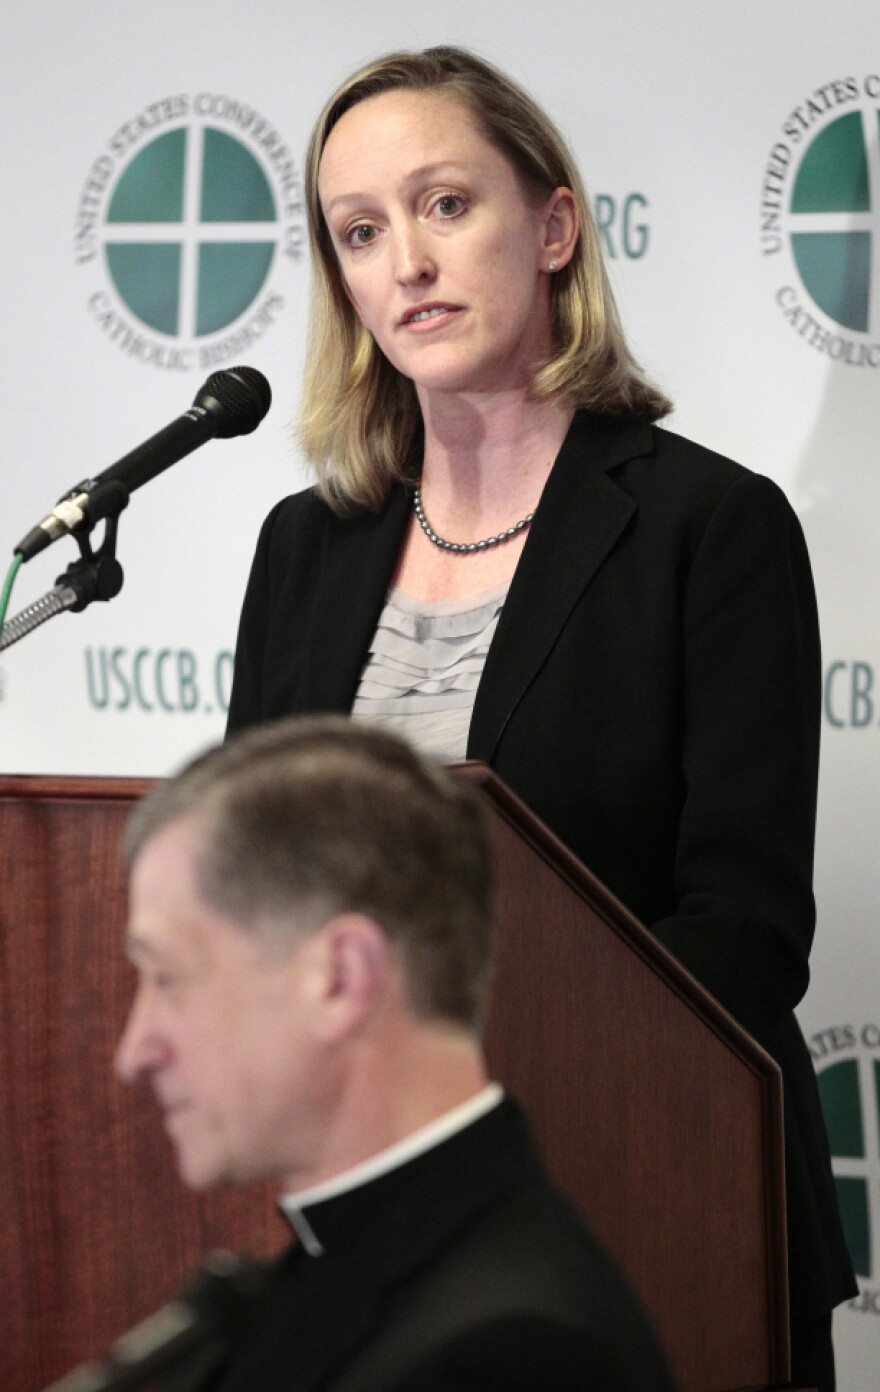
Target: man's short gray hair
[{"x": 310, "y": 817}]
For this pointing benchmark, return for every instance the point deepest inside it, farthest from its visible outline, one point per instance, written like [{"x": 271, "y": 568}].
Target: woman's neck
[
  {"x": 485, "y": 467},
  {"x": 487, "y": 458}
]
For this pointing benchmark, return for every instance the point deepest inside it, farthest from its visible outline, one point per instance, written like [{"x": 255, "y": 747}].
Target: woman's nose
[{"x": 414, "y": 262}]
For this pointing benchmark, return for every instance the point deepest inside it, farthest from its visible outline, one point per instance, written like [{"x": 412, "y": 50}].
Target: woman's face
[{"x": 443, "y": 258}]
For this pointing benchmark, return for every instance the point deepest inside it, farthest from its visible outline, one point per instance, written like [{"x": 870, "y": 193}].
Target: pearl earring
[{"x": 552, "y": 266}]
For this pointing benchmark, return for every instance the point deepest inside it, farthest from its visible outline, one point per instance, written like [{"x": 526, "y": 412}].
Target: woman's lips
[{"x": 428, "y": 317}]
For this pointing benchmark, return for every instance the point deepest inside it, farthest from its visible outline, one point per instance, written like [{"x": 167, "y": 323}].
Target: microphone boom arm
[{"x": 96, "y": 575}]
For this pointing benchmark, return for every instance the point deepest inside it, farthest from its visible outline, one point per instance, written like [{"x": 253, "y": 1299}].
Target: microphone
[
  {"x": 205, "y": 1322},
  {"x": 231, "y": 402}
]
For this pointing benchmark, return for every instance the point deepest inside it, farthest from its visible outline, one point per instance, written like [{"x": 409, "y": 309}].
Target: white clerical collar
[{"x": 440, "y": 1129}]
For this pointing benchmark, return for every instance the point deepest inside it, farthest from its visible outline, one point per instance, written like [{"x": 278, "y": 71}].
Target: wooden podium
[{"x": 656, "y": 1112}]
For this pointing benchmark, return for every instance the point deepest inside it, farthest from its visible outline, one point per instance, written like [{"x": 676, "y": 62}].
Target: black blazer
[
  {"x": 652, "y": 693},
  {"x": 461, "y": 1271}
]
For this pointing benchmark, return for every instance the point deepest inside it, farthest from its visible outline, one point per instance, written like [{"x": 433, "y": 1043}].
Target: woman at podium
[{"x": 505, "y": 558}]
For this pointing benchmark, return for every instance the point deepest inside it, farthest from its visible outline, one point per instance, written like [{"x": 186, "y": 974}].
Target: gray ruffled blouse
[{"x": 424, "y": 666}]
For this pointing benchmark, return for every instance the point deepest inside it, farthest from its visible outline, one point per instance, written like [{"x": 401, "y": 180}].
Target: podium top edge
[{"x": 52, "y": 787}]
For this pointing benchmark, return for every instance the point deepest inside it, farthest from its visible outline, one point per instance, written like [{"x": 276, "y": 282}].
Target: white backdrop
[{"x": 732, "y": 153}]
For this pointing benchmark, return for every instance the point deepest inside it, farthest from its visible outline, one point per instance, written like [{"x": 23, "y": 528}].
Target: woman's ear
[{"x": 561, "y": 229}]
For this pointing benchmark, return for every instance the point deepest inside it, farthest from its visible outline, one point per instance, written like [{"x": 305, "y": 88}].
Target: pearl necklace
[{"x": 464, "y": 545}]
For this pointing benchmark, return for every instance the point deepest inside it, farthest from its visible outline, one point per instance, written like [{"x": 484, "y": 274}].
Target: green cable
[{"x": 7, "y": 586}]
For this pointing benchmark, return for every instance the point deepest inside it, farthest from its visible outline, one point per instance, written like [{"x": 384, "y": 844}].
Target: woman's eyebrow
[{"x": 424, "y": 171}]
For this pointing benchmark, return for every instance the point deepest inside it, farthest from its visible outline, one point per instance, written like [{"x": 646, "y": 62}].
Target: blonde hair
[{"x": 359, "y": 417}]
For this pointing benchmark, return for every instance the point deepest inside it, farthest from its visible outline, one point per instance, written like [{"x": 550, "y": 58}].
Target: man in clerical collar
[{"x": 311, "y": 926}]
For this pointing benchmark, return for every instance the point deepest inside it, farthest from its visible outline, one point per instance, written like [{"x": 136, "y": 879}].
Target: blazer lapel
[
  {"x": 580, "y": 517},
  {"x": 357, "y": 562}
]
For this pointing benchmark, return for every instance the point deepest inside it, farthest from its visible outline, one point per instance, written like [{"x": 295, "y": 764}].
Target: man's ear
[{"x": 356, "y": 970}]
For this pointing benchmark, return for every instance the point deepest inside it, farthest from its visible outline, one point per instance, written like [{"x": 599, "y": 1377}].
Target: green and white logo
[
  {"x": 847, "y": 1059},
  {"x": 820, "y": 220},
  {"x": 184, "y": 219}
]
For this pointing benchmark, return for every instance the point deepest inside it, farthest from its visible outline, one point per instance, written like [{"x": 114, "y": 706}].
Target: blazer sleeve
[
  {"x": 750, "y": 749},
  {"x": 246, "y": 703}
]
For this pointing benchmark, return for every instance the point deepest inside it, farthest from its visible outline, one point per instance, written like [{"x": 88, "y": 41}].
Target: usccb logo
[
  {"x": 820, "y": 220},
  {"x": 181, "y": 226},
  {"x": 847, "y": 1061},
  {"x": 850, "y": 695},
  {"x": 161, "y": 681},
  {"x": 622, "y": 224}
]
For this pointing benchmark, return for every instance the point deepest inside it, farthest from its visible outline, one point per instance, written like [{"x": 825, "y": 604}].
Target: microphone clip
[{"x": 97, "y": 574}]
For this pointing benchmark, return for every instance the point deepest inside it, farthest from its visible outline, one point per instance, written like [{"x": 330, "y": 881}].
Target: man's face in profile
[{"x": 219, "y": 1026}]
